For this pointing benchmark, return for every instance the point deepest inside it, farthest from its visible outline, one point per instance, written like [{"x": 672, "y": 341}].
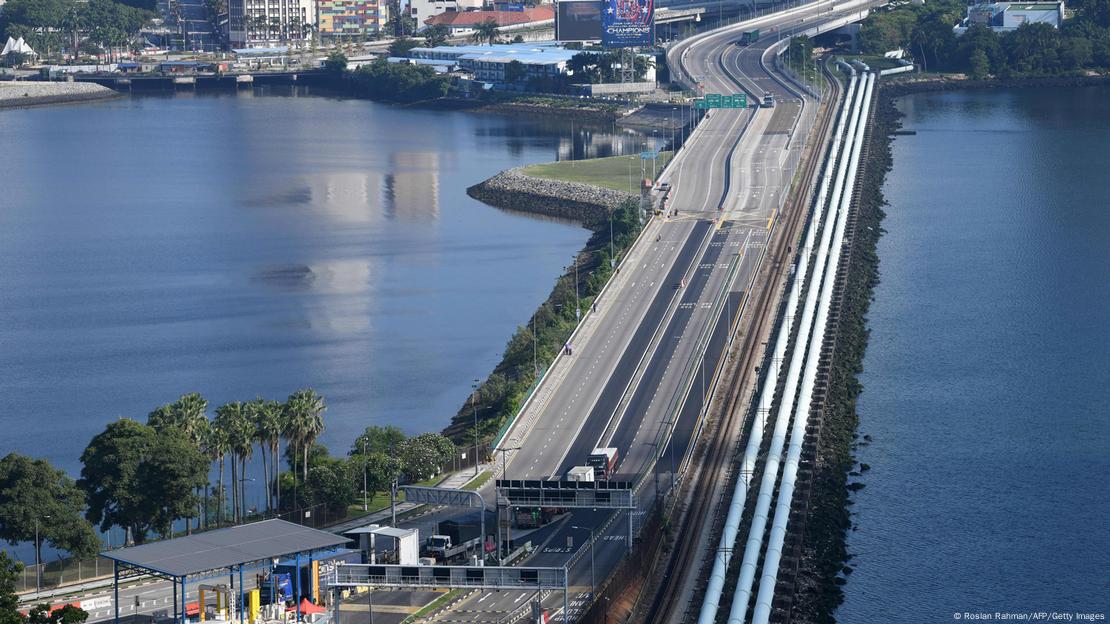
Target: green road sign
[{"x": 716, "y": 100}]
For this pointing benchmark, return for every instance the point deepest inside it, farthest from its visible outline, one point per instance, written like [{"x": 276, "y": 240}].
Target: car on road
[{"x": 663, "y": 186}]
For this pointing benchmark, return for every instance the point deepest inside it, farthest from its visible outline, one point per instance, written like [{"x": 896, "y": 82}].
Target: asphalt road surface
[{"x": 640, "y": 376}]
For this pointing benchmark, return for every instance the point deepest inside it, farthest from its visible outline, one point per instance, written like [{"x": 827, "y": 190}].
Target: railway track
[{"x": 720, "y": 446}]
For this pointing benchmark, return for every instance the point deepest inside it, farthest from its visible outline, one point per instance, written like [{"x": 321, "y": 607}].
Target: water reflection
[
  {"x": 250, "y": 244},
  {"x": 412, "y": 186}
]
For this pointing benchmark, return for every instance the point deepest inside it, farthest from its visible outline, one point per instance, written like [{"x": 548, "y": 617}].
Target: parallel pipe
[
  {"x": 742, "y": 595},
  {"x": 713, "y": 591},
  {"x": 777, "y": 537}
]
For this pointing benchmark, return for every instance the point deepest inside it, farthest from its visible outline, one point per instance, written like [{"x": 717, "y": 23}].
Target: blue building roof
[{"x": 544, "y": 52}]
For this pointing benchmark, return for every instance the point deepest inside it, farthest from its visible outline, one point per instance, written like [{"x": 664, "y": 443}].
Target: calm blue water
[
  {"x": 986, "y": 377},
  {"x": 242, "y": 246}
]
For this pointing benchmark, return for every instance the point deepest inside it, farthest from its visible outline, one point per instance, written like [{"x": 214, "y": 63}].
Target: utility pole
[
  {"x": 673, "y": 109},
  {"x": 364, "y": 503},
  {"x": 393, "y": 500},
  {"x": 577, "y": 303},
  {"x": 593, "y": 584},
  {"x": 505, "y": 476},
  {"x": 612, "y": 254}
]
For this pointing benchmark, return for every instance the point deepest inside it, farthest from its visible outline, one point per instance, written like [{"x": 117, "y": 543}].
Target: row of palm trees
[{"x": 231, "y": 438}]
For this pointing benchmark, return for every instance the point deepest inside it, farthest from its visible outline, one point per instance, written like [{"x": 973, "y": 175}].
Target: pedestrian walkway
[{"x": 455, "y": 481}]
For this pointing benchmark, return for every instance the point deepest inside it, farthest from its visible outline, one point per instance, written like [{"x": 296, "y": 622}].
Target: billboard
[
  {"x": 628, "y": 23},
  {"x": 578, "y": 20}
]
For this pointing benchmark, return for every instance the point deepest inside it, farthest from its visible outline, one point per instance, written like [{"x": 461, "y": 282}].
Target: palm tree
[
  {"x": 293, "y": 31},
  {"x": 435, "y": 36},
  {"x": 275, "y": 27},
  {"x": 267, "y": 432},
  {"x": 485, "y": 31},
  {"x": 215, "y": 447},
  {"x": 188, "y": 414},
  {"x": 73, "y": 22},
  {"x": 259, "y": 23},
  {"x": 232, "y": 420},
  {"x": 305, "y": 410}
]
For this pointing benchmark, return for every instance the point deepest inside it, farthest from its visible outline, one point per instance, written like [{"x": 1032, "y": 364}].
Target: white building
[
  {"x": 488, "y": 63},
  {"x": 421, "y": 10},
  {"x": 263, "y": 23},
  {"x": 1009, "y": 16}
]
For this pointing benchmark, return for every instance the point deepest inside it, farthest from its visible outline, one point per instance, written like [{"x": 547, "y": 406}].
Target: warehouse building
[
  {"x": 488, "y": 63},
  {"x": 1009, "y": 16}
]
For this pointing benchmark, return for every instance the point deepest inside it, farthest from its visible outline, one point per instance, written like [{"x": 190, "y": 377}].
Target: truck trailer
[
  {"x": 455, "y": 538},
  {"x": 604, "y": 461}
]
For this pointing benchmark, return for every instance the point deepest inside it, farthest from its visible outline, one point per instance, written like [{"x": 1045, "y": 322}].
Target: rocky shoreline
[
  {"x": 21, "y": 94},
  {"x": 512, "y": 189}
]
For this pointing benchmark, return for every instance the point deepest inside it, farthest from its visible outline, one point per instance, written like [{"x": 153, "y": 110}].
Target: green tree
[
  {"x": 69, "y": 614},
  {"x": 15, "y": 59},
  {"x": 336, "y": 63},
  {"x": 329, "y": 484},
  {"x": 109, "y": 477},
  {"x": 423, "y": 455},
  {"x": 235, "y": 423},
  {"x": 486, "y": 31},
  {"x": 375, "y": 439},
  {"x": 187, "y": 415},
  {"x": 37, "y": 499},
  {"x": 400, "y": 47},
  {"x": 214, "y": 445},
  {"x": 980, "y": 64},
  {"x": 306, "y": 411},
  {"x": 268, "y": 425},
  {"x": 380, "y": 469},
  {"x": 39, "y": 614},
  {"x": 140, "y": 480},
  {"x": 10, "y": 570},
  {"x": 399, "y": 82},
  {"x": 436, "y": 35},
  {"x": 168, "y": 478},
  {"x": 515, "y": 71},
  {"x": 979, "y": 37}
]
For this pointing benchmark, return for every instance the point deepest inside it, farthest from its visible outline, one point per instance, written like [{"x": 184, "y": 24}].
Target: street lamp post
[
  {"x": 593, "y": 585},
  {"x": 38, "y": 558},
  {"x": 577, "y": 302},
  {"x": 612, "y": 256},
  {"x": 535, "y": 357},
  {"x": 364, "y": 503},
  {"x": 673, "y": 109}
]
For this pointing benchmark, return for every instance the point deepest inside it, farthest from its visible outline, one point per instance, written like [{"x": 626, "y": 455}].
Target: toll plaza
[{"x": 212, "y": 563}]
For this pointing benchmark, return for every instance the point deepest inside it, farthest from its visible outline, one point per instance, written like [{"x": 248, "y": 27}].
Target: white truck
[
  {"x": 580, "y": 473},
  {"x": 443, "y": 548}
]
